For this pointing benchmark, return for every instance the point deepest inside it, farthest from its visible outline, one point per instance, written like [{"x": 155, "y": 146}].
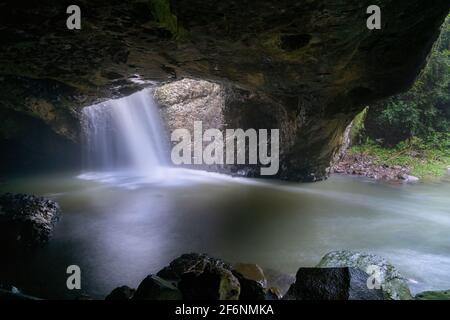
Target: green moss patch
[
  {"x": 162, "y": 13},
  {"x": 424, "y": 158},
  {"x": 433, "y": 295}
]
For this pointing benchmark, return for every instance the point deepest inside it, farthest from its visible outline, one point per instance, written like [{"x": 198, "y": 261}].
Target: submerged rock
[
  {"x": 26, "y": 219},
  {"x": 433, "y": 295},
  {"x": 393, "y": 284},
  {"x": 410, "y": 178},
  {"x": 332, "y": 284}
]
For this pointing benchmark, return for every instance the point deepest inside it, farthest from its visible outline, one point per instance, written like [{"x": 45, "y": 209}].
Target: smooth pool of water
[{"x": 119, "y": 229}]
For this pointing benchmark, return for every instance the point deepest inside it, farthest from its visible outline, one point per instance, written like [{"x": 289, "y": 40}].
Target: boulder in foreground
[
  {"x": 196, "y": 276},
  {"x": 393, "y": 284},
  {"x": 340, "y": 275},
  {"x": 27, "y": 219},
  {"x": 121, "y": 293},
  {"x": 156, "y": 288},
  {"x": 331, "y": 284},
  {"x": 200, "y": 276}
]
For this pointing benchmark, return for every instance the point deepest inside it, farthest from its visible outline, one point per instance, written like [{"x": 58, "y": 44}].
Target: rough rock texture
[
  {"x": 26, "y": 219},
  {"x": 253, "y": 282},
  {"x": 121, "y": 293},
  {"x": 156, "y": 288},
  {"x": 251, "y": 271},
  {"x": 331, "y": 284},
  {"x": 393, "y": 284},
  {"x": 188, "y": 100},
  {"x": 220, "y": 106},
  {"x": 200, "y": 277},
  {"x": 344, "y": 145},
  {"x": 250, "y": 289},
  {"x": 314, "y": 59}
]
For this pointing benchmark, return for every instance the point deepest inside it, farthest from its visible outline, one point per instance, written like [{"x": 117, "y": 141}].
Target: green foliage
[
  {"x": 425, "y": 108},
  {"x": 424, "y": 157},
  {"x": 163, "y": 14},
  {"x": 412, "y": 129}
]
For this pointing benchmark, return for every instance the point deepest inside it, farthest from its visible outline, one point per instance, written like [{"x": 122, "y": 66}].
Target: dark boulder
[
  {"x": 181, "y": 265},
  {"x": 393, "y": 283},
  {"x": 156, "y": 288},
  {"x": 196, "y": 276},
  {"x": 200, "y": 276},
  {"x": 121, "y": 293},
  {"x": 26, "y": 219},
  {"x": 208, "y": 284},
  {"x": 250, "y": 289},
  {"x": 332, "y": 284}
]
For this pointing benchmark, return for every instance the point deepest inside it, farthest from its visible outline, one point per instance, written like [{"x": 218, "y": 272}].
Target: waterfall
[{"x": 124, "y": 135}]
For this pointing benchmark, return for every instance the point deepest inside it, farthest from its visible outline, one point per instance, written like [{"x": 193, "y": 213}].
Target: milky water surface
[{"x": 118, "y": 228}]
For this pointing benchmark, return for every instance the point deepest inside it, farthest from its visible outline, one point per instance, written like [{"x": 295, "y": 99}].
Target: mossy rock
[
  {"x": 433, "y": 295},
  {"x": 393, "y": 284}
]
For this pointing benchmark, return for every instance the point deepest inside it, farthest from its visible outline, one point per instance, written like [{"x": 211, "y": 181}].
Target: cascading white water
[
  {"x": 124, "y": 145},
  {"x": 124, "y": 135}
]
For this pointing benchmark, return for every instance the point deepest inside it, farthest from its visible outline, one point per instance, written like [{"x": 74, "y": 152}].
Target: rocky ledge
[
  {"x": 364, "y": 165},
  {"x": 26, "y": 219}
]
